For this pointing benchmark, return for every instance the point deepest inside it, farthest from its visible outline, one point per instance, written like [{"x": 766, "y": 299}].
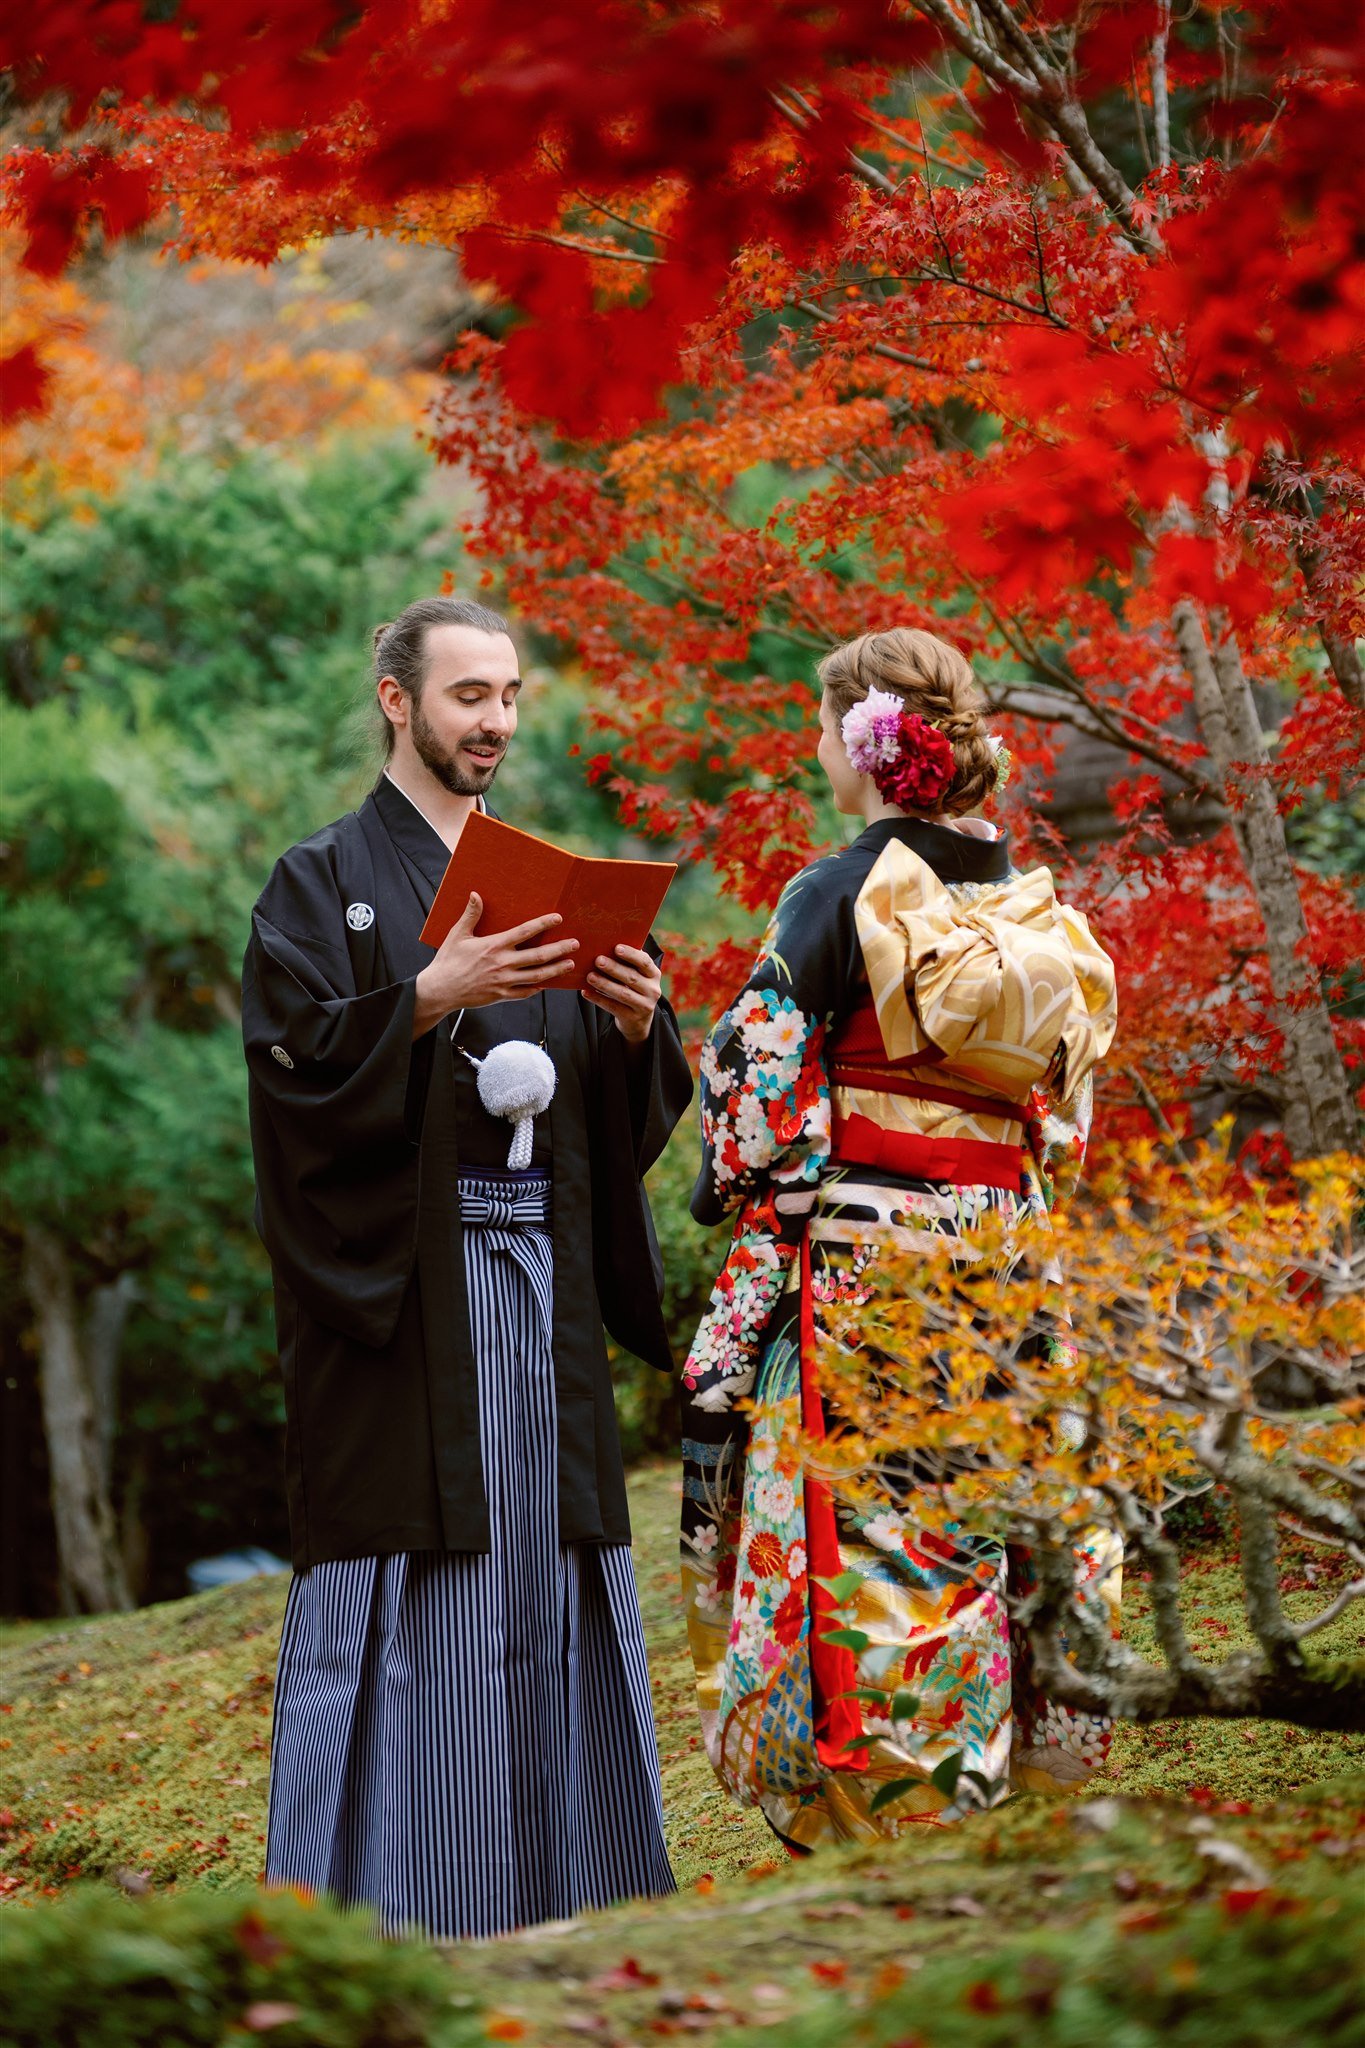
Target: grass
[{"x": 135, "y": 1747}]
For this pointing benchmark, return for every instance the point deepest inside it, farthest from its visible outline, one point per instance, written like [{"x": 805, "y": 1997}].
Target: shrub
[
  {"x": 194, "y": 1971},
  {"x": 1255, "y": 1969}
]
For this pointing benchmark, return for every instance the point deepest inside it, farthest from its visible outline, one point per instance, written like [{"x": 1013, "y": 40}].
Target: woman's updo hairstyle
[{"x": 933, "y": 679}]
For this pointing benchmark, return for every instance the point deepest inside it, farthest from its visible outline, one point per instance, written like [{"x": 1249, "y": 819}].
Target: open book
[{"x": 604, "y": 903}]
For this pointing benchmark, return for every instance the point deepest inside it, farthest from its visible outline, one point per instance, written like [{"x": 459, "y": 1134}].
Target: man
[{"x": 463, "y": 1735}]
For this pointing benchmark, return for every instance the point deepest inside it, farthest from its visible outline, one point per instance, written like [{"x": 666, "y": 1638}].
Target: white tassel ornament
[{"x": 516, "y": 1080}]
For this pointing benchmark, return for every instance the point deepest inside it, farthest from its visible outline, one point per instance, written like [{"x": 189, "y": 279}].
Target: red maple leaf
[{"x": 24, "y": 380}]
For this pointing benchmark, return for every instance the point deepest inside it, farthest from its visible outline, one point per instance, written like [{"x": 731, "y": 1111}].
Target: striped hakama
[{"x": 465, "y": 1741}]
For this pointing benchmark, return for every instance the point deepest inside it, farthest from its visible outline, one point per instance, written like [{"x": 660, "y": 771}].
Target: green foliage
[
  {"x": 186, "y": 667},
  {"x": 197, "y": 1970},
  {"x": 1330, "y": 836},
  {"x": 203, "y": 591},
  {"x": 1254, "y": 1970}
]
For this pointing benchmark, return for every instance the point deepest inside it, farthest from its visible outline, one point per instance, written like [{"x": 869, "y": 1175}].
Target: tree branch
[
  {"x": 1045, "y": 92},
  {"x": 983, "y": 54},
  {"x": 1084, "y": 715},
  {"x": 1258, "y": 1558},
  {"x": 1345, "y": 1598},
  {"x": 876, "y": 348},
  {"x": 806, "y": 118},
  {"x": 1163, "y": 1560},
  {"x": 1161, "y": 98}
]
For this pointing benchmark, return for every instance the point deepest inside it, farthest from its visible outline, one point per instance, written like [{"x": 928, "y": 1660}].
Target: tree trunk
[
  {"x": 1316, "y": 1104},
  {"x": 1343, "y": 656},
  {"x": 104, "y": 1325},
  {"x": 87, "y": 1538}
]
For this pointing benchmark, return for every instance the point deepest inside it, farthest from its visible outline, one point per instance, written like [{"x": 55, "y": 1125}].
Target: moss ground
[{"x": 136, "y": 1748}]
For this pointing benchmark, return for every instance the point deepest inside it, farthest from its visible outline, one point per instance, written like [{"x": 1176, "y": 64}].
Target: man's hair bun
[{"x": 379, "y": 633}]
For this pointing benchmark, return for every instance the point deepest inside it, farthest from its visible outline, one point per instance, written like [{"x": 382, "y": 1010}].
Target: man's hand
[
  {"x": 469, "y": 972},
  {"x": 629, "y": 986}
]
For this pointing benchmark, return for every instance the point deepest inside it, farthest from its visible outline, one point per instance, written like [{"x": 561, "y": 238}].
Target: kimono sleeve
[
  {"x": 337, "y": 1091},
  {"x": 1056, "y": 1132},
  {"x": 658, "y": 1079},
  {"x": 765, "y": 1112},
  {"x": 640, "y": 1094}
]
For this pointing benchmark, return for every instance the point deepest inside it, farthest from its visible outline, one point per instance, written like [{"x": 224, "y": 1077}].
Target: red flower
[
  {"x": 789, "y": 1618},
  {"x": 952, "y": 1713},
  {"x": 923, "y": 770},
  {"x": 765, "y": 1554},
  {"x": 922, "y": 1654},
  {"x": 725, "y": 1574}
]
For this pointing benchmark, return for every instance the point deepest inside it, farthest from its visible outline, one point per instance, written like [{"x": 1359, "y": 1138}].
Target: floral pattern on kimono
[
  {"x": 935, "y": 1603},
  {"x": 765, "y": 1137}
]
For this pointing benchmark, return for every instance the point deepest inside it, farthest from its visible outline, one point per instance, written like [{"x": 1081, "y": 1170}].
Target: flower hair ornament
[{"x": 910, "y": 760}]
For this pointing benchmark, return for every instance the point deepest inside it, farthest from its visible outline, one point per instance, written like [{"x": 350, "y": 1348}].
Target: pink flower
[
  {"x": 998, "y": 1670},
  {"x": 871, "y": 731}
]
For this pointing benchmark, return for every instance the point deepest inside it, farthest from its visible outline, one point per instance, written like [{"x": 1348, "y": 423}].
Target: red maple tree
[{"x": 1046, "y": 317}]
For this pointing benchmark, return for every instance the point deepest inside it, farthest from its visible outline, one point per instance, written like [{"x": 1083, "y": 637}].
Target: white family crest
[
  {"x": 277, "y": 1052},
  {"x": 360, "y": 916}
]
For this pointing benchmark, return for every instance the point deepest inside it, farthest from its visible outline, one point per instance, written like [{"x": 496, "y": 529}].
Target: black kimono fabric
[{"x": 354, "y": 1133}]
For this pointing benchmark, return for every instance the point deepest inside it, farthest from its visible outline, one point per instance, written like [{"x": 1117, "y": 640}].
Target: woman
[{"x": 911, "y": 1052}]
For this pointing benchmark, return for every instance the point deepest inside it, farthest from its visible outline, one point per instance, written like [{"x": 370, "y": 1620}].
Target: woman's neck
[{"x": 876, "y": 810}]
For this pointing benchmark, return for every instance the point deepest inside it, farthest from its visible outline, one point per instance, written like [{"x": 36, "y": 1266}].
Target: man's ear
[{"x": 392, "y": 697}]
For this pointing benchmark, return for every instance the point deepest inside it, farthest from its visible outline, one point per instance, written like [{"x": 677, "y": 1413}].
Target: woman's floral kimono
[{"x": 920, "y": 1010}]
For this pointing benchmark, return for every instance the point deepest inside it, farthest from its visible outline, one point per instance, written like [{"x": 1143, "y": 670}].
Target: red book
[{"x": 604, "y": 903}]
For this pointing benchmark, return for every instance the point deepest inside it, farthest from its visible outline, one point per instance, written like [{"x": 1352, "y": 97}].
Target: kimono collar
[
  {"x": 412, "y": 831},
  {"x": 953, "y": 856}
]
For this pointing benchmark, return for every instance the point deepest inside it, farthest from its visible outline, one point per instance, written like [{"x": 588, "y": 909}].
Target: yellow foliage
[
  {"x": 252, "y": 391},
  {"x": 95, "y": 428},
  {"x": 107, "y": 415},
  {"x": 1134, "y": 1351}
]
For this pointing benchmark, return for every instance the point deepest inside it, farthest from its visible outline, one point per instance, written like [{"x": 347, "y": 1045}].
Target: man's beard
[{"x": 461, "y": 777}]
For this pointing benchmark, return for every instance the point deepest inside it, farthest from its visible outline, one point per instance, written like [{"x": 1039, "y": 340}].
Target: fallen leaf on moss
[
  {"x": 504, "y": 2026},
  {"x": 627, "y": 1976}
]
